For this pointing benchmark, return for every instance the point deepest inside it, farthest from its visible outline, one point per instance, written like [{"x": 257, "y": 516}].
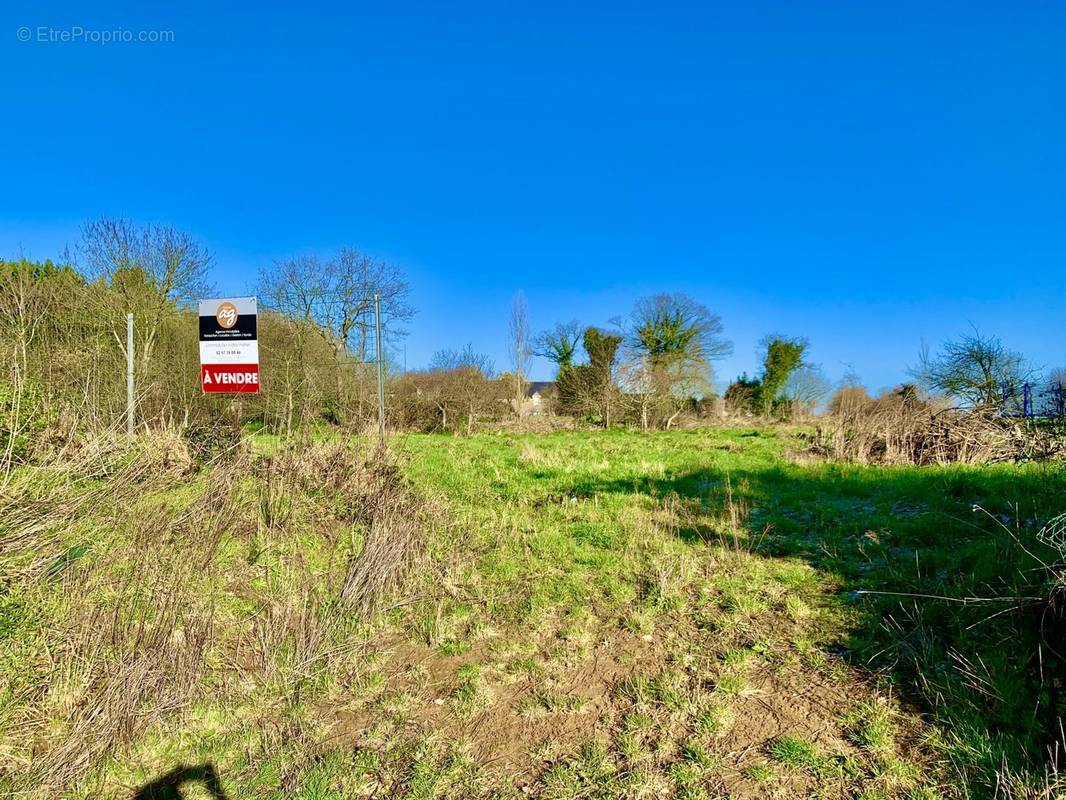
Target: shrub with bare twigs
[{"x": 899, "y": 427}]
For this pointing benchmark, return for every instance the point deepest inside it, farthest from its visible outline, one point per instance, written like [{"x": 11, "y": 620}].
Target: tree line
[
  {"x": 64, "y": 332},
  {"x": 63, "y": 325}
]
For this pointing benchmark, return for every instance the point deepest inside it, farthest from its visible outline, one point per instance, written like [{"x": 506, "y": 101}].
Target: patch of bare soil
[
  {"x": 513, "y": 723},
  {"x": 777, "y": 705},
  {"x": 514, "y": 729}
]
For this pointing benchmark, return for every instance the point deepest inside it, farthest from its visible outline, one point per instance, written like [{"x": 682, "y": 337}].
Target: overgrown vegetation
[
  {"x": 64, "y": 343},
  {"x": 148, "y": 604},
  {"x": 870, "y": 606},
  {"x": 578, "y": 614},
  {"x": 901, "y": 428}
]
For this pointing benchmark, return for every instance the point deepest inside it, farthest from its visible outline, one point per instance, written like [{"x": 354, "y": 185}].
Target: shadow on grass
[
  {"x": 168, "y": 786},
  {"x": 955, "y": 597}
]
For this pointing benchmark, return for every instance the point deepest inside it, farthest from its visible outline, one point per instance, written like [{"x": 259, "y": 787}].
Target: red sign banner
[{"x": 228, "y": 378}]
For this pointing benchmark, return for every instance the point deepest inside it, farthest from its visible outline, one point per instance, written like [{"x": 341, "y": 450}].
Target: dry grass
[
  {"x": 128, "y": 671},
  {"x": 39, "y": 502},
  {"x": 537, "y": 423},
  {"x": 373, "y": 494},
  {"x": 142, "y": 587},
  {"x": 392, "y": 546},
  {"x": 130, "y": 643},
  {"x": 900, "y": 429}
]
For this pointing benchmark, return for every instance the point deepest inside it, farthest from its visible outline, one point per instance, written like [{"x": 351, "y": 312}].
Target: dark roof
[{"x": 544, "y": 387}]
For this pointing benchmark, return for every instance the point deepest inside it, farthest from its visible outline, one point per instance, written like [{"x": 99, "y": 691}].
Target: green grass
[
  {"x": 795, "y": 752},
  {"x": 634, "y": 605},
  {"x": 618, "y": 524}
]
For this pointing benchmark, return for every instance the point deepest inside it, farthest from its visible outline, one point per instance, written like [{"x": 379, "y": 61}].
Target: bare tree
[
  {"x": 850, "y": 396},
  {"x": 153, "y": 268},
  {"x": 298, "y": 288},
  {"x": 333, "y": 301},
  {"x": 465, "y": 382},
  {"x": 448, "y": 359},
  {"x": 1054, "y": 393},
  {"x": 518, "y": 338},
  {"x": 25, "y": 301},
  {"x": 977, "y": 369},
  {"x": 27, "y": 298},
  {"x": 108, "y": 246},
  {"x": 805, "y": 388},
  {"x": 336, "y": 297}
]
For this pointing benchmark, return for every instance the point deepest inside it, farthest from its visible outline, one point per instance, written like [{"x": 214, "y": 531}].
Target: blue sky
[{"x": 867, "y": 175}]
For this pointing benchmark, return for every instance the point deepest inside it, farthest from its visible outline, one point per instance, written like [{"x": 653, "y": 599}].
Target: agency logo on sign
[{"x": 226, "y": 314}]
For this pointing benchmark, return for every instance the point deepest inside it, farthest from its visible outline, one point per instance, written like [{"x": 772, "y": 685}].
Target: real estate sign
[{"x": 229, "y": 346}]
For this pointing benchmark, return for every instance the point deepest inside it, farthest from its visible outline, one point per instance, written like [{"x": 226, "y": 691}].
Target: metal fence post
[
  {"x": 129, "y": 375},
  {"x": 381, "y": 370}
]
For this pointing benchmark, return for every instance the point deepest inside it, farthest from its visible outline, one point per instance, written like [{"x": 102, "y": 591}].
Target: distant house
[{"x": 539, "y": 395}]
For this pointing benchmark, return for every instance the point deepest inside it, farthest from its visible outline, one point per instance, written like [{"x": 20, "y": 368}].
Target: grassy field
[{"x": 595, "y": 615}]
